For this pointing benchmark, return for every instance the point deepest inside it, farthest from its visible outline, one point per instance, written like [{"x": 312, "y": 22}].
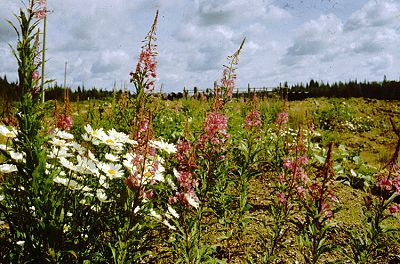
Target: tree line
[{"x": 384, "y": 90}]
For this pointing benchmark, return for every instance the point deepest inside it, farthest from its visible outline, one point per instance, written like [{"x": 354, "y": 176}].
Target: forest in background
[{"x": 385, "y": 90}]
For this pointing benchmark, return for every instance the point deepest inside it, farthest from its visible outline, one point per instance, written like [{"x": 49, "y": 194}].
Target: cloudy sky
[{"x": 287, "y": 40}]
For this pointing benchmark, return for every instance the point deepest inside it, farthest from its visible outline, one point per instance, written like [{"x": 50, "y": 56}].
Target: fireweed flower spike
[
  {"x": 40, "y": 9},
  {"x": 224, "y": 92},
  {"x": 229, "y": 75},
  {"x": 144, "y": 76},
  {"x": 253, "y": 119}
]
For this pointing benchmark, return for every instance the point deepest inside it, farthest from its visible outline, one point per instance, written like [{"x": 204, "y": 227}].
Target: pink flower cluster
[
  {"x": 228, "y": 82},
  {"x": 64, "y": 122},
  {"x": 41, "y": 10},
  {"x": 313, "y": 192},
  {"x": 296, "y": 167},
  {"x": 187, "y": 183},
  {"x": 281, "y": 122},
  {"x": 35, "y": 79},
  {"x": 146, "y": 68},
  {"x": 141, "y": 134},
  {"x": 253, "y": 119},
  {"x": 388, "y": 184},
  {"x": 394, "y": 208},
  {"x": 145, "y": 73},
  {"x": 282, "y": 118},
  {"x": 215, "y": 128}
]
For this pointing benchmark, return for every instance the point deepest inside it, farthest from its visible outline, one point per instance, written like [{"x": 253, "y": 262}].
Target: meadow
[{"x": 217, "y": 179}]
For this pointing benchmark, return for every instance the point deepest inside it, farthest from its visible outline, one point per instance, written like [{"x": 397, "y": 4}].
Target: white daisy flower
[
  {"x": 86, "y": 137},
  {"x": 119, "y": 136},
  {"x": 113, "y": 171},
  {"x": 96, "y": 134},
  {"x": 158, "y": 176},
  {"x": 112, "y": 143},
  {"x": 66, "y": 163},
  {"x": 71, "y": 184},
  {"x": 78, "y": 148},
  {"x": 92, "y": 168},
  {"x": 59, "y": 152},
  {"x": 8, "y": 168},
  {"x": 103, "y": 182},
  {"x": 64, "y": 135},
  {"x": 127, "y": 162},
  {"x": 160, "y": 144},
  {"x": 111, "y": 157},
  {"x": 57, "y": 142},
  {"x": 86, "y": 189},
  {"x": 173, "y": 212},
  {"x": 154, "y": 214},
  {"x": 191, "y": 200},
  {"x": 165, "y": 222},
  {"x": 131, "y": 141},
  {"x": 17, "y": 156},
  {"x": 172, "y": 184},
  {"x": 101, "y": 195},
  {"x": 8, "y": 133},
  {"x": 4, "y": 147},
  {"x": 92, "y": 156}
]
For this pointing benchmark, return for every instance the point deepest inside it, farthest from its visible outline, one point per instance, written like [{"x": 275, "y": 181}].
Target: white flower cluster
[
  {"x": 96, "y": 166},
  {"x": 92, "y": 169}
]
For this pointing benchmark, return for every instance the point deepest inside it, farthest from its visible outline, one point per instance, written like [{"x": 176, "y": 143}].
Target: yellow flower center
[
  {"x": 111, "y": 171},
  {"x": 147, "y": 174},
  {"x": 110, "y": 140},
  {"x": 9, "y": 134}
]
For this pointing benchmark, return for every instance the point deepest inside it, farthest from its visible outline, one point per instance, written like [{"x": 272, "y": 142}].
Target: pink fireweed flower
[
  {"x": 282, "y": 118},
  {"x": 385, "y": 184},
  {"x": 303, "y": 159},
  {"x": 301, "y": 191},
  {"x": 145, "y": 72},
  {"x": 281, "y": 197},
  {"x": 228, "y": 82},
  {"x": 172, "y": 200},
  {"x": 35, "y": 75},
  {"x": 216, "y": 123},
  {"x": 183, "y": 174},
  {"x": 394, "y": 208},
  {"x": 253, "y": 119},
  {"x": 326, "y": 209},
  {"x": 215, "y": 128},
  {"x": 41, "y": 10},
  {"x": 64, "y": 122},
  {"x": 41, "y": 13},
  {"x": 396, "y": 183},
  {"x": 287, "y": 163},
  {"x": 146, "y": 194},
  {"x": 303, "y": 175}
]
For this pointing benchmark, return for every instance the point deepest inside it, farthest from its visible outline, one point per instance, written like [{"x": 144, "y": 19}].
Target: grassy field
[
  {"x": 360, "y": 125},
  {"x": 363, "y": 143}
]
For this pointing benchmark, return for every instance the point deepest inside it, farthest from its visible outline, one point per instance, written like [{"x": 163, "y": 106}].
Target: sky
[{"x": 286, "y": 40}]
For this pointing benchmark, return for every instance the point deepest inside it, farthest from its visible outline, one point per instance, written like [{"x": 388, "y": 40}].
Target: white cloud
[
  {"x": 374, "y": 14},
  {"x": 101, "y": 40},
  {"x": 316, "y": 36}
]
